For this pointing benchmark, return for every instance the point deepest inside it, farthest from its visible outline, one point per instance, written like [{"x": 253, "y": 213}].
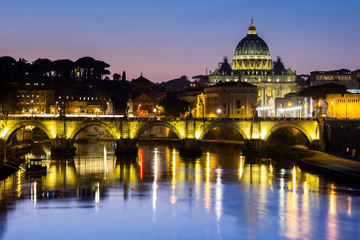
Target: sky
[{"x": 165, "y": 39}]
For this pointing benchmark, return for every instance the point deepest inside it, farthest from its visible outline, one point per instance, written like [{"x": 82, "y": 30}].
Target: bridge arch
[
  {"x": 147, "y": 126},
  {"x": 289, "y": 125},
  {"x": 81, "y": 127},
  {"x": 19, "y": 125},
  {"x": 222, "y": 124}
]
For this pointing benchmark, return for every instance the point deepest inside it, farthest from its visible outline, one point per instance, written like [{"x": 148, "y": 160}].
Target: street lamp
[
  {"x": 155, "y": 111},
  {"x": 218, "y": 111},
  {"x": 32, "y": 107}
]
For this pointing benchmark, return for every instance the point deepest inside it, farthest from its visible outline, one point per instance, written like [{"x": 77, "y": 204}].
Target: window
[
  {"x": 238, "y": 104},
  {"x": 224, "y": 105}
]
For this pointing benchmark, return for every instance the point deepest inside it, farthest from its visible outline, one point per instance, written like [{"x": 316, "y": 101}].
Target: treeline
[{"x": 83, "y": 68}]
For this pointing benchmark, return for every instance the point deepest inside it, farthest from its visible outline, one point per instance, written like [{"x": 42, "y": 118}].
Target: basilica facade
[{"x": 252, "y": 64}]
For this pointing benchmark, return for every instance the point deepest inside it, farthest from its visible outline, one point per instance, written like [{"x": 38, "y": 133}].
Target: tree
[
  {"x": 173, "y": 106},
  {"x": 63, "y": 68},
  {"x": 116, "y": 77},
  {"x": 319, "y": 92},
  {"x": 7, "y": 67},
  {"x": 42, "y": 67},
  {"x": 86, "y": 64},
  {"x": 124, "y": 76},
  {"x": 99, "y": 69}
]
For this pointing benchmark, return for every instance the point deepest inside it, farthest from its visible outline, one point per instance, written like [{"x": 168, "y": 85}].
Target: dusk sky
[{"x": 164, "y": 39}]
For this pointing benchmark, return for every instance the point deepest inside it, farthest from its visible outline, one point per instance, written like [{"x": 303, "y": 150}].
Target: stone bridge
[{"x": 125, "y": 131}]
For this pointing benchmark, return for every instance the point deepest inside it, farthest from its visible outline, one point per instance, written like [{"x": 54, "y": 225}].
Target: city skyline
[{"x": 164, "y": 40}]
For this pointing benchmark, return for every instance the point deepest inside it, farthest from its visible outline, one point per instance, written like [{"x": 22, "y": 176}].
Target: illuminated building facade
[
  {"x": 142, "y": 105},
  {"x": 252, "y": 64},
  {"x": 229, "y": 99},
  {"x": 291, "y": 105},
  {"x": 79, "y": 107},
  {"x": 342, "y": 77},
  {"x": 343, "y": 106},
  {"x": 36, "y": 100}
]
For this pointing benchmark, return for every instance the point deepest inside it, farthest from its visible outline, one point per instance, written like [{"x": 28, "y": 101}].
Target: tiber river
[{"x": 222, "y": 195}]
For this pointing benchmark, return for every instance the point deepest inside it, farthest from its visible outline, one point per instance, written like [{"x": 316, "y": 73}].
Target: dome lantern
[{"x": 252, "y": 29}]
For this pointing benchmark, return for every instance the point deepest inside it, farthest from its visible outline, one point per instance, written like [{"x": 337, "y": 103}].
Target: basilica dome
[
  {"x": 252, "y": 52},
  {"x": 252, "y": 44}
]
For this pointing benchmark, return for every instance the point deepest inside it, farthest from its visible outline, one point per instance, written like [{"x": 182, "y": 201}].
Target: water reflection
[{"x": 219, "y": 195}]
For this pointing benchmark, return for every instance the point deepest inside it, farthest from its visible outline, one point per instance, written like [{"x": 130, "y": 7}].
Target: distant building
[
  {"x": 142, "y": 106},
  {"x": 140, "y": 85},
  {"x": 342, "y": 77},
  {"x": 80, "y": 108},
  {"x": 291, "y": 105},
  {"x": 230, "y": 99},
  {"x": 252, "y": 64},
  {"x": 35, "y": 98},
  {"x": 343, "y": 106}
]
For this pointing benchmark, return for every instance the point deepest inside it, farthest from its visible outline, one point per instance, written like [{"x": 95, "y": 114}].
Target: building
[
  {"x": 343, "y": 106},
  {"x": 35, "y": 98},
  {"x": 143, "y": 106},
  {"x": 342, "y": 77},
  {"x": 252, "y": 64},
  {"x": 80, "y": 108},
  {"x": 292, "y": 105},
  {"x": 229, "y": 99}
]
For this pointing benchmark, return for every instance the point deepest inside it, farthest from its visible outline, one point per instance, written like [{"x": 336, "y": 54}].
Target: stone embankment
[{"x": 335, "y": 167}]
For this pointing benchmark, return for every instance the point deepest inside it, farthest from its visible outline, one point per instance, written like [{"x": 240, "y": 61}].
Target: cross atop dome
[{"x": 252, "y": 29}]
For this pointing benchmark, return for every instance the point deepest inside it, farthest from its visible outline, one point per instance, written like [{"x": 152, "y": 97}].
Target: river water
[{"x": 159, "y": 195}]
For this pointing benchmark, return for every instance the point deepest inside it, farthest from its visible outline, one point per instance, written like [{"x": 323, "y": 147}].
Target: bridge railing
[{"x": 148, "y": 119}]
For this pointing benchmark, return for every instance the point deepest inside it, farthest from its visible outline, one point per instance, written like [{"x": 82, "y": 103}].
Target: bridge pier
[
  {"x": 126, "y": 147},
  {"x": 62, "y": 147},
  {"x": 255, "y": 144},
  {"x": 190, "y": 147}
]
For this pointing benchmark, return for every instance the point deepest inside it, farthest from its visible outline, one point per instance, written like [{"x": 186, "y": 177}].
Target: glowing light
[
  {"x": 19, "y": 184},
  {"x": 312, "y": 135},
  {"x": 173, "y": 198},
  {"x": 207, "y": 189},
  {"x": 218, "y": 195},
  {"x": 105, "y": 160},
  {"x": 4, "y": 132},
  {"x": 141, "y": 163},
  {"x": 97, "y": 194},
  {"x": 154, "y": 197},
  {"x": 255, "y": 136},
  {"x": 349, "y": 206},
  {"x": 34, "y": 192},
  {"x": 294, "y": 180},
  {"x": 241, "y": 166},
  {"x": 306, "y": 188},
  {"x": 197, "y": 134},
  {"x": 263, "y": 134},
  {"x": 332, "y": 204},
  {"x": 207, "y": 167}
]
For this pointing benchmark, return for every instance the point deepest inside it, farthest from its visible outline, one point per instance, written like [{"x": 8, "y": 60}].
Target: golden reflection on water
[
  {"x": 154, "y": 196},
  {"x": 299, "y": 195},
  {"x": 173, "y": 179},
  {"x": 207, "y": 188}
]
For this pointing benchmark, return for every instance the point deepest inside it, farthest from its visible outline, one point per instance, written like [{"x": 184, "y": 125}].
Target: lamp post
[
  {"x": 32, "y": 108},
  {"x": 155, "y": 111},
  {"x": 218, "y": 112}
]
